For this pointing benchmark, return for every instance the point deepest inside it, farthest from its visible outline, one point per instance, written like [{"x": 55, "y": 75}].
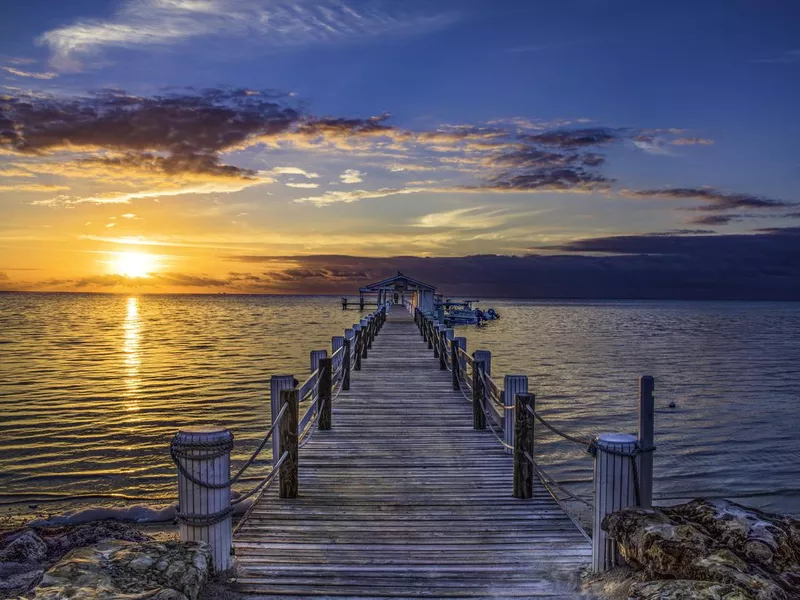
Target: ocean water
[{"x": 93, "y": 387}]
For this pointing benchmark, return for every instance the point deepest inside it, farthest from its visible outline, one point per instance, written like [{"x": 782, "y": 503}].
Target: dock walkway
[{"x": 402, "y": 498}]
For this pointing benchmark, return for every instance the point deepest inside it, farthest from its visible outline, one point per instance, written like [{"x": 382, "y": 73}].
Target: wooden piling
[
  {"x": 276, "y": 384},
  {"x": 478, "y": 394},
  {"x": 357, "y": 344},
  {"x": 614, "y": 490},
  {"x": 325, "y": 393},
  {"x": 288, "y": 475},
  {"x": 455, "y": 363},
  {"x": 512, "y": 385},
  {"x": 337, "y": 341},
  {"x": 485, "y": 358},
  {"x": 364, "y": 337},
  {"x": 462, "y": 359},
  {"x": 349, "y": 334},
  {"x": 646, "y": 439},
  {"x": 204, "y": 513},
  {"x": 316, "y": 356},
  {"x": 523, "y": 443}
]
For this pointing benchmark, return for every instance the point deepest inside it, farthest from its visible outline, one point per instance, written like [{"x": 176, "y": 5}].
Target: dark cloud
[
  {"x": 556, "y": 179},
  {"x": 199, "y": 164},
  {"x": 684, "y": 232},
  {"x": 716, "y": 219},
  {"x": 716, "y": 200},
  {"x": 671, "y": 265},
  {"x": 340, "y": 126},
  {"x": 204, "y": 122},
  {"x": 534, "y": 168},
  {"x": 574, "y": 138}
]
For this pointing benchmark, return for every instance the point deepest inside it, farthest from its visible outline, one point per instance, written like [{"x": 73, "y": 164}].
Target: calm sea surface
[{"x": 93, "y": 387}]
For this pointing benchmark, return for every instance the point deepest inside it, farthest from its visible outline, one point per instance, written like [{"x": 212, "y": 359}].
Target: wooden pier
[
  {"x": 405, "y": 470},
  {"x": 402, "y": 498}
]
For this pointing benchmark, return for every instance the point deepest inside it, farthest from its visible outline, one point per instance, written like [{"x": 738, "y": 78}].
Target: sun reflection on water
[{"x": 130, "y": 349}]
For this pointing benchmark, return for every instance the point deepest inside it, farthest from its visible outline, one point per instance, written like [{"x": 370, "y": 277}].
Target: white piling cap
[{"x": 616, "y": 438}]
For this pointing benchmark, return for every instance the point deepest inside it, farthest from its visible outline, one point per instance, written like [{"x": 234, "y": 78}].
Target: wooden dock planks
[{"x": 402, "y": 498}]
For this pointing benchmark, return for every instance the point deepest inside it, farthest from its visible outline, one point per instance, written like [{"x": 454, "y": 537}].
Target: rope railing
[
  {"x": 309, "y": 386},
  {"x": 548, "y": 479},
  {"x": 576, "y": 440},
  {"x": 177, "y": 452}
]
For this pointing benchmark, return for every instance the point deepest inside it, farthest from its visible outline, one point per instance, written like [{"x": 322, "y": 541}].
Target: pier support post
[
  {"x": 288, "y": 438},
  {"x": 455, "y": 362},
  {"x": 364, "y": 337},
  {"x": 204, "y": 513},
  {"x": 442, "y": 340},
  {"x": 372, "y": 324},
  {"x": 358, "y": 342},
  {"x": 462, "y": 360},
  {"x": 523, "y": 444},
  {"x": 512, "y": 385},
  {"x": 434, "y": 341},
  {"x": 348, "y": 342},
  {"x": 482, "y": 364},
  {"x": 613, "y": 491},
  {"x": 646, "y": 439},
  {"x": 276, "y": 384},
  {"x": 325, "y": 393},
  {"x": 315, "y": 357},
  {"x": 478, "y": 395},
  {"x": 337, "y": 341}
]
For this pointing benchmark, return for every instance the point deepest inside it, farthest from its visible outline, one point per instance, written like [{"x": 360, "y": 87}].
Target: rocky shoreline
[
  {"x": 101, "y": 559},
  {"x": 707, "y": 550}
]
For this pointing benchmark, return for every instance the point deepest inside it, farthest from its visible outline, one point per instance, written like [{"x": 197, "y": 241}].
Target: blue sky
[{"x": 513, "y": 127}]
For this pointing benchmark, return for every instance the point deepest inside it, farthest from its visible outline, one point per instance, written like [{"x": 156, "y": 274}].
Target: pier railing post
[
  {"x": 512, "y": 385},
  {"x": 337, "y": 342},
  {"x": 455, "y": 362},
  {"x": 325, "y": 393},
  {"x": 434, "y": 340},
  {"x": 364, "y": 338},
  {"x": 445, "y": 335},
  {"x": 482, "y": 365},
  {"x": 204, "y": 513},
  {"x": 276, "y": 384},
  {"x": 523, "y": 443},
  {"x": 316, "y": 356},
  {"x": 478, "y": 397},
  {"x": 288, "y": 437},
  {"x": 462, "y": 360},
  {"x": 358, "y": 342},
  {"x": 348, "y": 342},
  {"x": 646, "y": 439}
]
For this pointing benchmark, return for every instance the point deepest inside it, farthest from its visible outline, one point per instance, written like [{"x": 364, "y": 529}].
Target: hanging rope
[
  {"x": 178, "y": 451},
  {"x": 266, "y": 481},
  {"x": 545, "y": 477},
  {"x": 581, "y": 441}
]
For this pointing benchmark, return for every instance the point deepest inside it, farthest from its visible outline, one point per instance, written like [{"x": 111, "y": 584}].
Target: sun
[{"x": 133, "y": 264}]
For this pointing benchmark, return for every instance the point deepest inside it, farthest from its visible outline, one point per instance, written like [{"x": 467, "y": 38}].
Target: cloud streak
[
  {"x": 29, "y": 74},
  {"x": 144, "y": 24}
]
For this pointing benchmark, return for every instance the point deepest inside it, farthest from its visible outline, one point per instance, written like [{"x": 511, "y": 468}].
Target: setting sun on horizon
[{"x": 133, "y": 264}]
